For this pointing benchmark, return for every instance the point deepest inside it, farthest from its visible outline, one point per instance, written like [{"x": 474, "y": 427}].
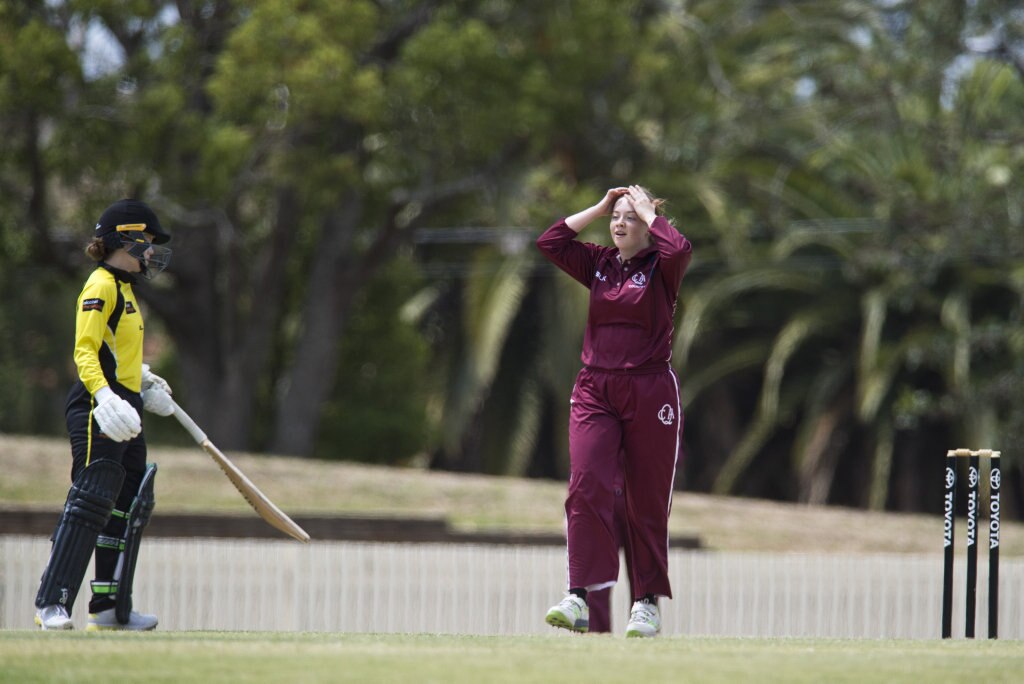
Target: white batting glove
[
  {"x": 116, "y": 417},
  {"x": 150, "y": 379},
  {"x": 156, "y": 400}
]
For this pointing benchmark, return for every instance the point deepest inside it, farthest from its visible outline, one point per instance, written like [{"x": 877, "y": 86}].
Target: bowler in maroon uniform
[{"x": 626, "y": 396}]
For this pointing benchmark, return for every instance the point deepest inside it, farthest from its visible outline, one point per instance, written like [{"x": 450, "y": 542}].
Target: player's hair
[
  {"x": 658, "y": 202},
  {"x": 97, "y": 249}
]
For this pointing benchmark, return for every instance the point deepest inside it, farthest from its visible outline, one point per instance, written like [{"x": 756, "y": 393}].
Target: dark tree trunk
[
  {"x": 309, "y": 380},
  {"x": 337, "y": 273},
  {"x": 223, "y": 324}
]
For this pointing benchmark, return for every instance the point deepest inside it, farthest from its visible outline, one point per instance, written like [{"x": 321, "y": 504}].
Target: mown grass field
[
  {"x": 212, "y": 657},
  {"x": 36, "y": 475}
]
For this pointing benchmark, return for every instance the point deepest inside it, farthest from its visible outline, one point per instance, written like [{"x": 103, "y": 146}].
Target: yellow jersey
[{"x": 108, "y": 332}]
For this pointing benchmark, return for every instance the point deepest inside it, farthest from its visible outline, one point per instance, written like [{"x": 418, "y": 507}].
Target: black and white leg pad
[
  {"x": 86, "y": 512},
  {"x": 138, "y": 518}
]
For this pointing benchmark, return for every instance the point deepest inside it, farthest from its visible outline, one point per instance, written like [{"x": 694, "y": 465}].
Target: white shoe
[
  {"x": 53, "y": 617},
  {"x": 107, "y": 620},
  {"x": 644, "y": 619},
  {"x": 571, "y": 613}
]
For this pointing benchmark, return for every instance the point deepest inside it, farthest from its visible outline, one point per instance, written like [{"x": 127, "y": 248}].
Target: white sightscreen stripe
[{"x": 366, "y": 587}]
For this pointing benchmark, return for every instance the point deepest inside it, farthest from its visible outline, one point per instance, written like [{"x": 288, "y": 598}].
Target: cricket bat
[{"x": 257, "y": 499}]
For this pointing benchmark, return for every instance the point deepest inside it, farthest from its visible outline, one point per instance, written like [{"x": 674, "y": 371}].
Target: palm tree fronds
[
  {"x": 881, "y": 467},
  {"x": 956, "y": 317},
  {"x": 737, "y": 358},
  {"x": 526, "y": 430},
  {"x": 787, "y": 343},
  {"x": 715, "y": 294}
]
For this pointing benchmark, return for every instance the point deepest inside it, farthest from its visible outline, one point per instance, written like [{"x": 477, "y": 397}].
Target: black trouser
[{"x": 88, "y": 446}]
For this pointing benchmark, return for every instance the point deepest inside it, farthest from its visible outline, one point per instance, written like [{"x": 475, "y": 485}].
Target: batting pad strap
[
  {"x": 105, "y": 542},
  {"x": 103, "y": 588}
]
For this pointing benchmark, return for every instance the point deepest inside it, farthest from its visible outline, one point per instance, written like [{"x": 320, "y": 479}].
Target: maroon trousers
[
  {"x": 639, "y": 413},
  {"x": 599, "y": 601}
]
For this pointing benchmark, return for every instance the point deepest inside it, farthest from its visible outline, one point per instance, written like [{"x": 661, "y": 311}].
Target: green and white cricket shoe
[
  {"x": 644, "y": 620},
  {"x": 107, "y": 620},
  {"x": 571, "y": 613},
  {"x": 53, "y": 617}
]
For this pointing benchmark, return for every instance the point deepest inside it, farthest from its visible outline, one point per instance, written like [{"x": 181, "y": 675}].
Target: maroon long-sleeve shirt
[{"x": 632, "y": 303}]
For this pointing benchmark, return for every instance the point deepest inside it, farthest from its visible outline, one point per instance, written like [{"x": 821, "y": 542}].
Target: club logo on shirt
[
  {"x": 638, "y": 280},
  {"x": 666, "y": 415},
  {"x": 602, "y": 278},
  {"x": 129, "y": 307},
  {"x": 95, "y": 304}
]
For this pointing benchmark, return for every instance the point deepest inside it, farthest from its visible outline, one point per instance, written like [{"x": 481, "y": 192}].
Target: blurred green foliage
[
  {"x": 378, "y": 412},
  {"x": 354, "y": 187}
]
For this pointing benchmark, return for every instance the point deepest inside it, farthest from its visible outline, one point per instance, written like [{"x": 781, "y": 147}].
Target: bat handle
[{"x": 189, "y": 424}]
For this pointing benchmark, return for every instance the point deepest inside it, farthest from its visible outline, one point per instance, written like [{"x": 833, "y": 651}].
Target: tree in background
[
  {"x": 847, "y": 198},
  {"x": 867, "y": 373},
  {"x": 377, "y": 412},
  {"x": 844, "y": 170}
]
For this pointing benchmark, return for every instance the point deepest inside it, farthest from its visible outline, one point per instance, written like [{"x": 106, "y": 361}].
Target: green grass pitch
[{"x": 28, "y": 656}]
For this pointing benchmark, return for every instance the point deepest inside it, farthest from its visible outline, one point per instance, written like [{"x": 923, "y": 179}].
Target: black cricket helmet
[{"x": 129, "y": 223}]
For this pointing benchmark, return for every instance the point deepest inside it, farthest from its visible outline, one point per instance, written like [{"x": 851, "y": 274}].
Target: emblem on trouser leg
[{"x": 667, "y": 414}]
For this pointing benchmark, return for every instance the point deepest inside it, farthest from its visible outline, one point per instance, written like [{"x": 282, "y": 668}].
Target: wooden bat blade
[
  {"x": 250, "y": 492},
  {"x": 260, "y": 503}
]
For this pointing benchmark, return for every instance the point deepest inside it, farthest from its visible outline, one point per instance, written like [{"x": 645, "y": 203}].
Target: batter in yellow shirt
[{"x": 108, "y": 332}]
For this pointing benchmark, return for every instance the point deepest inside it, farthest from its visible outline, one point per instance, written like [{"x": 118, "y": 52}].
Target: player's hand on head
[
  {"x": 610, "y": 198},
  {"x": 117, "y": 419},
  {"x": 642, "y": 204},
  {"x": 151, "y": 379}
]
